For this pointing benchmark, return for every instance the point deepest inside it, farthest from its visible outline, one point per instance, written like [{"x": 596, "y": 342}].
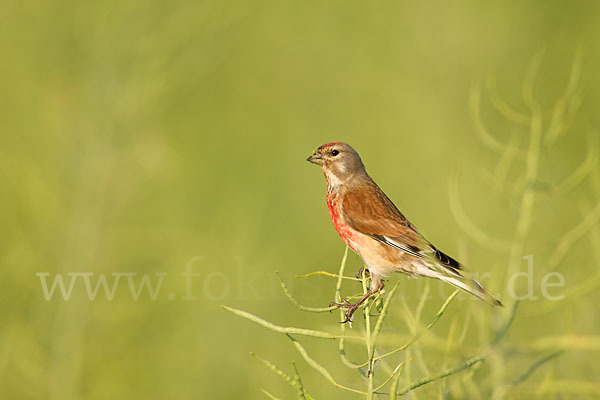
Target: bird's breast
[{"x": 345, "y": 231}]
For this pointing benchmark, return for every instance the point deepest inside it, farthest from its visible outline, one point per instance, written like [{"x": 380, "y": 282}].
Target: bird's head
[{"x": 338, "y": 160}]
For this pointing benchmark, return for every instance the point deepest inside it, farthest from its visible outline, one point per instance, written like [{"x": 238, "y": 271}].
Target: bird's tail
[
  {"x": 473, "y": 287},
  {"x": 467, "y": 284}
]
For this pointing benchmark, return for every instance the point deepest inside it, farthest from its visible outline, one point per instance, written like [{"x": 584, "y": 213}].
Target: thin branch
[
  {"x": 416, "y": 323},
  {"x": 580, "y": 173},
  {"x": 327, "y": 274},
  {"x": 573, "y": 235},
  {"x": 484, "y": 135},
  {"x": 369, "y": 339},
  {"x": 535, "y": 366},
  {"x": 504, "y": 164},
  {"x": 300, "y": 306},
  {"x": 529, "y": 83},
  {"x": 276, "y": 370},
  {"x": 302, "y": 395},
  {"x": 478, "y": 234},
  {"x": 397, "y": 371},
  {"x": 319, "y": 368},
  {"x": 506, "y": 326},
  {"x": 467, "y": 364},
  {"x": 382, "y": 315},
  {"x": 527, "y": 202},
  {"x": 269, "y": 395},
  {"x": 394, "y": 387},
  {"x": 587, "y": 287},
  {"x": 287, "y": 330},
  {"x": 502, "y": 106},
  {"x": 417, "y": 336},
  {"x": 338, "y": 299},
  {"x": 567, "y": 105}
]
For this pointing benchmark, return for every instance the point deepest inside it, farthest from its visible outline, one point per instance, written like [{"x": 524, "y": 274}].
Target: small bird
[{"x": 371, "y": 225}]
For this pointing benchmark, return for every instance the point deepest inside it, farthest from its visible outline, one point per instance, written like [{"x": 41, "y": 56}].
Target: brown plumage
[
  {"x": 368, "y": 210},
  {"x": 369, "y": 222}
]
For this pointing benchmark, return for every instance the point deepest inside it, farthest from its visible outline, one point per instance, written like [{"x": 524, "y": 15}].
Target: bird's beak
[{"x": 316, "y": 158}]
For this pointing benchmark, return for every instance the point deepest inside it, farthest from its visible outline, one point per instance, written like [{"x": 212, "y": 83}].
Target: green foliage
[
  {"x": 148, "y": 136},
  {"x": 367, "y": 369},
  {"x": 544, "y": 128}
]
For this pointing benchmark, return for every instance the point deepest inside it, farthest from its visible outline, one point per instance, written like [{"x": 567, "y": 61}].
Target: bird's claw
[
  {"x": 349, "y": 314},
  {"x": 344, "y": 304},
  {"x": 350, "y": 309},
  {"x": 359, "y": 274}
]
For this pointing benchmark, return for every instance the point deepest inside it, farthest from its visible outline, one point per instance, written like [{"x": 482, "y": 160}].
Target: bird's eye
[{"x": 335, "y": 152}]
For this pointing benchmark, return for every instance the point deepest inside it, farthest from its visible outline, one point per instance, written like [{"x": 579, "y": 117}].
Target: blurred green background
[{"x": 137, "y": 135}]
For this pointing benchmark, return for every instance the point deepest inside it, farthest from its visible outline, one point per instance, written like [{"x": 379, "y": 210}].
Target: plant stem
[
  {"x": 288, "y": 330},
  {"x": 418, "y": 335},
  {"x": 424, "y": 381},
  {"x": 370, "y": 346},
  {"x": 531, "y": 170},
  {"x": 319, "y": 368},
  {"x": 338, "y": 299}
]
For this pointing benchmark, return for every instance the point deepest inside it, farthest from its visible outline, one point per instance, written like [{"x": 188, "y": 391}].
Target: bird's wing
[{"x": 368, "y": 210}]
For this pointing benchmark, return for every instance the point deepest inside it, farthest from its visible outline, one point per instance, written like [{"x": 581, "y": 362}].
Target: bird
[{"x": 373, "y": 227}]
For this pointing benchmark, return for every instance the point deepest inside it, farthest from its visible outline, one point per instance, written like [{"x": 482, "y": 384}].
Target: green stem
[
  {"x": 417, "y": 336},
  {"x": 338, "y": 299},
  {"x": 319, "y": 368},
  {"x": 467, "y": 364},
  {"x": 396, "y": 371},
  {"x": 369, "y": 342},
  {"x": 531, "y": 171},
  {"x": 288, "y": 330},
  {"x": 300, "y": 306},
  {"x": 325, "y": 273}
]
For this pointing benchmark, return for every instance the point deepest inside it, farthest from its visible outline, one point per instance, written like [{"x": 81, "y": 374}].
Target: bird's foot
[
  {"x": 350, "y": 309},
  {"x": 349, "y": 313},
  {"x": 344, "y": 304},
  {"x": 359, "y": 274}
]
